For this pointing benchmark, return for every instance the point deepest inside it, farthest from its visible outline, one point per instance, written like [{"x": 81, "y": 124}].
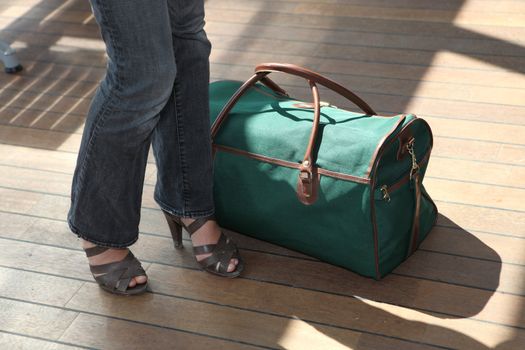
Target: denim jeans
[{"x": 155, "y": 91}]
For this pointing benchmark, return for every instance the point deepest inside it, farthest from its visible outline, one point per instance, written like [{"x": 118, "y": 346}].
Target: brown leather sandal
[
  {"x": 221, "y": 252},
  {"x": 115, "y": 276}
]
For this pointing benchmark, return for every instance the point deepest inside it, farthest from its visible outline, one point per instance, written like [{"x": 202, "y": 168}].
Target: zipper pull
[{"x": 386, "y": 195}]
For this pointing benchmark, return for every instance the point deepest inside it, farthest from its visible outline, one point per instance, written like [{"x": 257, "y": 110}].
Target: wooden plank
[
  {"x": 478, "y": 151},
  {"x": 39, "y": 139},
  {"x": 108, "y": 333},
  {"x": 363, "y": 314},
  {"x": 512, "y": 134},
  {"x": 45, "y": 289},
  {"x": 20, "y": 342},
  {"x": 476, "y": 6},
  {"x": 328, "y": 308},
  {"x": 202, "y": 318},
  {"x": 464, "y": 170},
  {"x": 34, "y": 320},
  {"x": 456, "y": 16},
  {"x": 477, "y": 245},
  {"x": 312, "y": 21},
  {"x": 37, "y": 159},
  {"x": 39, "y": 12},
  {"x": 468, "y": 217},
  {"x": 64, "y": 85},
  {"x": 374, "y": 38},
  {"x": 326, "y": 50},
  {"x": 18, "y": 202},
  {"x": 42, "y": 181},
  {"x": 43, "y": 102},
  {"x": 443, "y": 267},
  {"x": 476, "y": 194},
  {"x": 262, "y": 329},
  {"x": 42, "y": 119},
  {"x": 313, "y": 42}
]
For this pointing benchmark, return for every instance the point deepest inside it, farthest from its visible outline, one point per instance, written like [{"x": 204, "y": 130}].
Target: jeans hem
[
  {"x": 99, "y": 243},
  {"x": 194, "y": 214}
]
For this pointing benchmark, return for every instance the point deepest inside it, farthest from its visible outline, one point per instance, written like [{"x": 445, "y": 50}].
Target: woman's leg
[
  {"x": 181, "y": 140},
  {"x": 108, "y": 180}
]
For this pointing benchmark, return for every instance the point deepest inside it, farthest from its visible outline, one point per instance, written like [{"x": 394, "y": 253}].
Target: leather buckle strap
[{"x": 307, "y": 183}]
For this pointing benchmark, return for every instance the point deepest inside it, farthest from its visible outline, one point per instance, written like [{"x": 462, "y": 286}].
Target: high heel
[
  {"x": 221, "y": 253},
  {"x": 175, "y": 229}
]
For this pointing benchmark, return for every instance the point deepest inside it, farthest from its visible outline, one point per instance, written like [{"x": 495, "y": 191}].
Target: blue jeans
[{"x": 155, "y": 91}]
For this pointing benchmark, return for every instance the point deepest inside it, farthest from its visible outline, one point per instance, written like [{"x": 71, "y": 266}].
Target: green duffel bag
[{"x": 339, "y": 186}]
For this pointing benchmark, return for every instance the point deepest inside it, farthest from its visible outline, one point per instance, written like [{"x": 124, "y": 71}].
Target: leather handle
[
  {"x": 318, "y": 78},
  {"x": 308, "y": 182},
  {"x": 261, "y": 72}
]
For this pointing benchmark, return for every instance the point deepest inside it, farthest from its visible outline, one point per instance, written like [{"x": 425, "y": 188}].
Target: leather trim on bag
[
  {"x": 373, "y": 185},
  {"x": 404, "y": 139},
  {"x": 374, "y": 228},
  {"x": 380, "y": 144},
  {"x": 292, "y": 165},
  {"x": 414, "y": 232}
]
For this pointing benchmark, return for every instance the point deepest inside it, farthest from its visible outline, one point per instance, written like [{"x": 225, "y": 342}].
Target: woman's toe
[
  {"x": 233, "y": 265},
  {"x": 132, "y": 283},
  {"x": 140, "y": 279}
]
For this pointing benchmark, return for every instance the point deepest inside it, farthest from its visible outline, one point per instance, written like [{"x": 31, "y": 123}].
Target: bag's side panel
[
  {"x": 259, "y": 199},
  {"x": 395, "y": 197},
  {"x": 428, "y": 216}
]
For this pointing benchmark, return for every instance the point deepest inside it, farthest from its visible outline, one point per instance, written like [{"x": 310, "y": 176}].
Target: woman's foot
[
  {"x": 109, "y": 256},
  {"x": 208, "y": 233}
]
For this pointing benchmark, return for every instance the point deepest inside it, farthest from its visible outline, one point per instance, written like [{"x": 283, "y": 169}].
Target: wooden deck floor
[{"x": 458, "y": 64}]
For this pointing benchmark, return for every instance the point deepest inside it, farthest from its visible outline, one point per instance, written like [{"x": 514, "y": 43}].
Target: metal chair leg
[{"x": 8, "y": 57}]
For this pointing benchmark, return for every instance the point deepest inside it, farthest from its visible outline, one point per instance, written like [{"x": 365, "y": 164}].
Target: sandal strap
[
  {"x": 117, "y": 275},
  {"x": 198, "y": 223},
  {"x": 221, "y": 256},
  {"x": 96, "y": 250},
  {"x": 204, "y": 249}
]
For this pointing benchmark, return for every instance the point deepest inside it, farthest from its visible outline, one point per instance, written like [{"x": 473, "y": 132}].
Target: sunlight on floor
[
  {"x": 72, "y": 44},
  {"x": 58, "y": 11},
  {"x": 9, "y": 19},
  {"x": 496, "y": 13},
  {"x": 442, "y": 325},
  {"x": 298, "y": 333}
]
